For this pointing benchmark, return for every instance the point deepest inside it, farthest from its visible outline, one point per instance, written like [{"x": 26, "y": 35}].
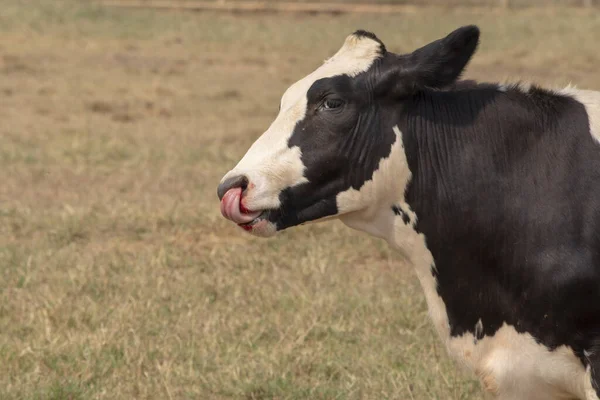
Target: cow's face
[{"x": 335, "y": 129}]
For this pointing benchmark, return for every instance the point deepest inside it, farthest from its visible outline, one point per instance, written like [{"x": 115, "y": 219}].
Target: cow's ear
[{"x": 436, "y": 65}]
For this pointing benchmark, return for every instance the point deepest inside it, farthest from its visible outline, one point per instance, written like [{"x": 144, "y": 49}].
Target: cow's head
[{"x": 323, "y": 155}]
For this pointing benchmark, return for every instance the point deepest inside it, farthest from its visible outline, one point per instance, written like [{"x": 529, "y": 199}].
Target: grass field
[{"x": 118, "y": 277}]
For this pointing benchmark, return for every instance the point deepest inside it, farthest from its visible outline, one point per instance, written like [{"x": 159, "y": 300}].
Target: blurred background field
[{"x": 118, "y": 277}]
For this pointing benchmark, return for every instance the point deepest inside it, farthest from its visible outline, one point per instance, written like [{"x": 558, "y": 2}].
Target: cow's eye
[{"x": 332, "y": 104}]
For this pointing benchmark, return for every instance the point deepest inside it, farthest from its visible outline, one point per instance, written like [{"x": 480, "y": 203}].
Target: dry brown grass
[{"x": 118, "y": 277}]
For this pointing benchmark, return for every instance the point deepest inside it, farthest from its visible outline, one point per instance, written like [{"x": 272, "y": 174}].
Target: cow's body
[
  {"x": 492, "y": 192},
  {"x": 509, "y": 260}
]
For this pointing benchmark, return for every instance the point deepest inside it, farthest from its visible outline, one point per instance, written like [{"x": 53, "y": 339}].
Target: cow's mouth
[
  {"x": 248, "y": 226},
  {"x": 234, "y": 210}
]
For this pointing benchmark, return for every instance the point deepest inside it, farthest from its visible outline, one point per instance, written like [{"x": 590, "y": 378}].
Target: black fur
[
  {"x": 400, "y": 212},
  {"x": 506, "y": 189}
]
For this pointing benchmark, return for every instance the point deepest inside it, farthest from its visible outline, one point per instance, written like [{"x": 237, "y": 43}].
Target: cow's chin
[{"x": 260, "y": 227}]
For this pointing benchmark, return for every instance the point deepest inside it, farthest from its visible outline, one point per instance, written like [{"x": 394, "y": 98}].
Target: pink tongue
[{"x": 230, "y": 207}]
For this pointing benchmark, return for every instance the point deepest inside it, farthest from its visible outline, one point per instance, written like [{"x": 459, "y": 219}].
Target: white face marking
[
  {"x": 591, "y": 100},
  {"x": 270, "y": 165}
]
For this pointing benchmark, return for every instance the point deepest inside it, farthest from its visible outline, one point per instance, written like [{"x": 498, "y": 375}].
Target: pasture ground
[{"x": 118, "y": 277}]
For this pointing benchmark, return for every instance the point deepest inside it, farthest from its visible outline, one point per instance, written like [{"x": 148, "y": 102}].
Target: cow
[{"x": 492, "y": 191}]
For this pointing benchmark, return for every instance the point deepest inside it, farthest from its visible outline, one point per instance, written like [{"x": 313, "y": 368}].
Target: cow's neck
[
  {"x": 432, "y": 130},
  {"x": 413, "y": 171},
  {"x": 391, "y": 218}
]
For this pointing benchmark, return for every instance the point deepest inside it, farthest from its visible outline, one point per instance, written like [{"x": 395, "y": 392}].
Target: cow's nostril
[{"x": 240, "y": 181}]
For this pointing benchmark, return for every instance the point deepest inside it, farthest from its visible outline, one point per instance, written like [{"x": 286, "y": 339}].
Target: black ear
[{"x": 436, "y": 65}]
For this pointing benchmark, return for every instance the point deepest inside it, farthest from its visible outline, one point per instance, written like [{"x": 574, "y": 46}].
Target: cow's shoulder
[{"x": 591, "y": 101}]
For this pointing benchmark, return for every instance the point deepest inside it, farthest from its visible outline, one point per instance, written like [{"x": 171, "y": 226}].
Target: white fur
[
  {"x": 512, "y": 365},
  {"x": 270, "y": 165}
]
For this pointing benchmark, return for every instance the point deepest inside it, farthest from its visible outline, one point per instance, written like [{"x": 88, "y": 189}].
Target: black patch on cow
[
  {"x": 341, "y": 148},
  {"x": 506, "y": 187},
  {"x": 400, "y": 212},
  {"x": 361, "y": 33}
]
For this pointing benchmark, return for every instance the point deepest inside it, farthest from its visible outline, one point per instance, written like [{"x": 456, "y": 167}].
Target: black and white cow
[{"x": 492, "y": 191}]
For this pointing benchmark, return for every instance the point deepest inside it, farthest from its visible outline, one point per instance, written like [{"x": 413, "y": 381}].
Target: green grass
[{"x": 118, "y": 277}]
